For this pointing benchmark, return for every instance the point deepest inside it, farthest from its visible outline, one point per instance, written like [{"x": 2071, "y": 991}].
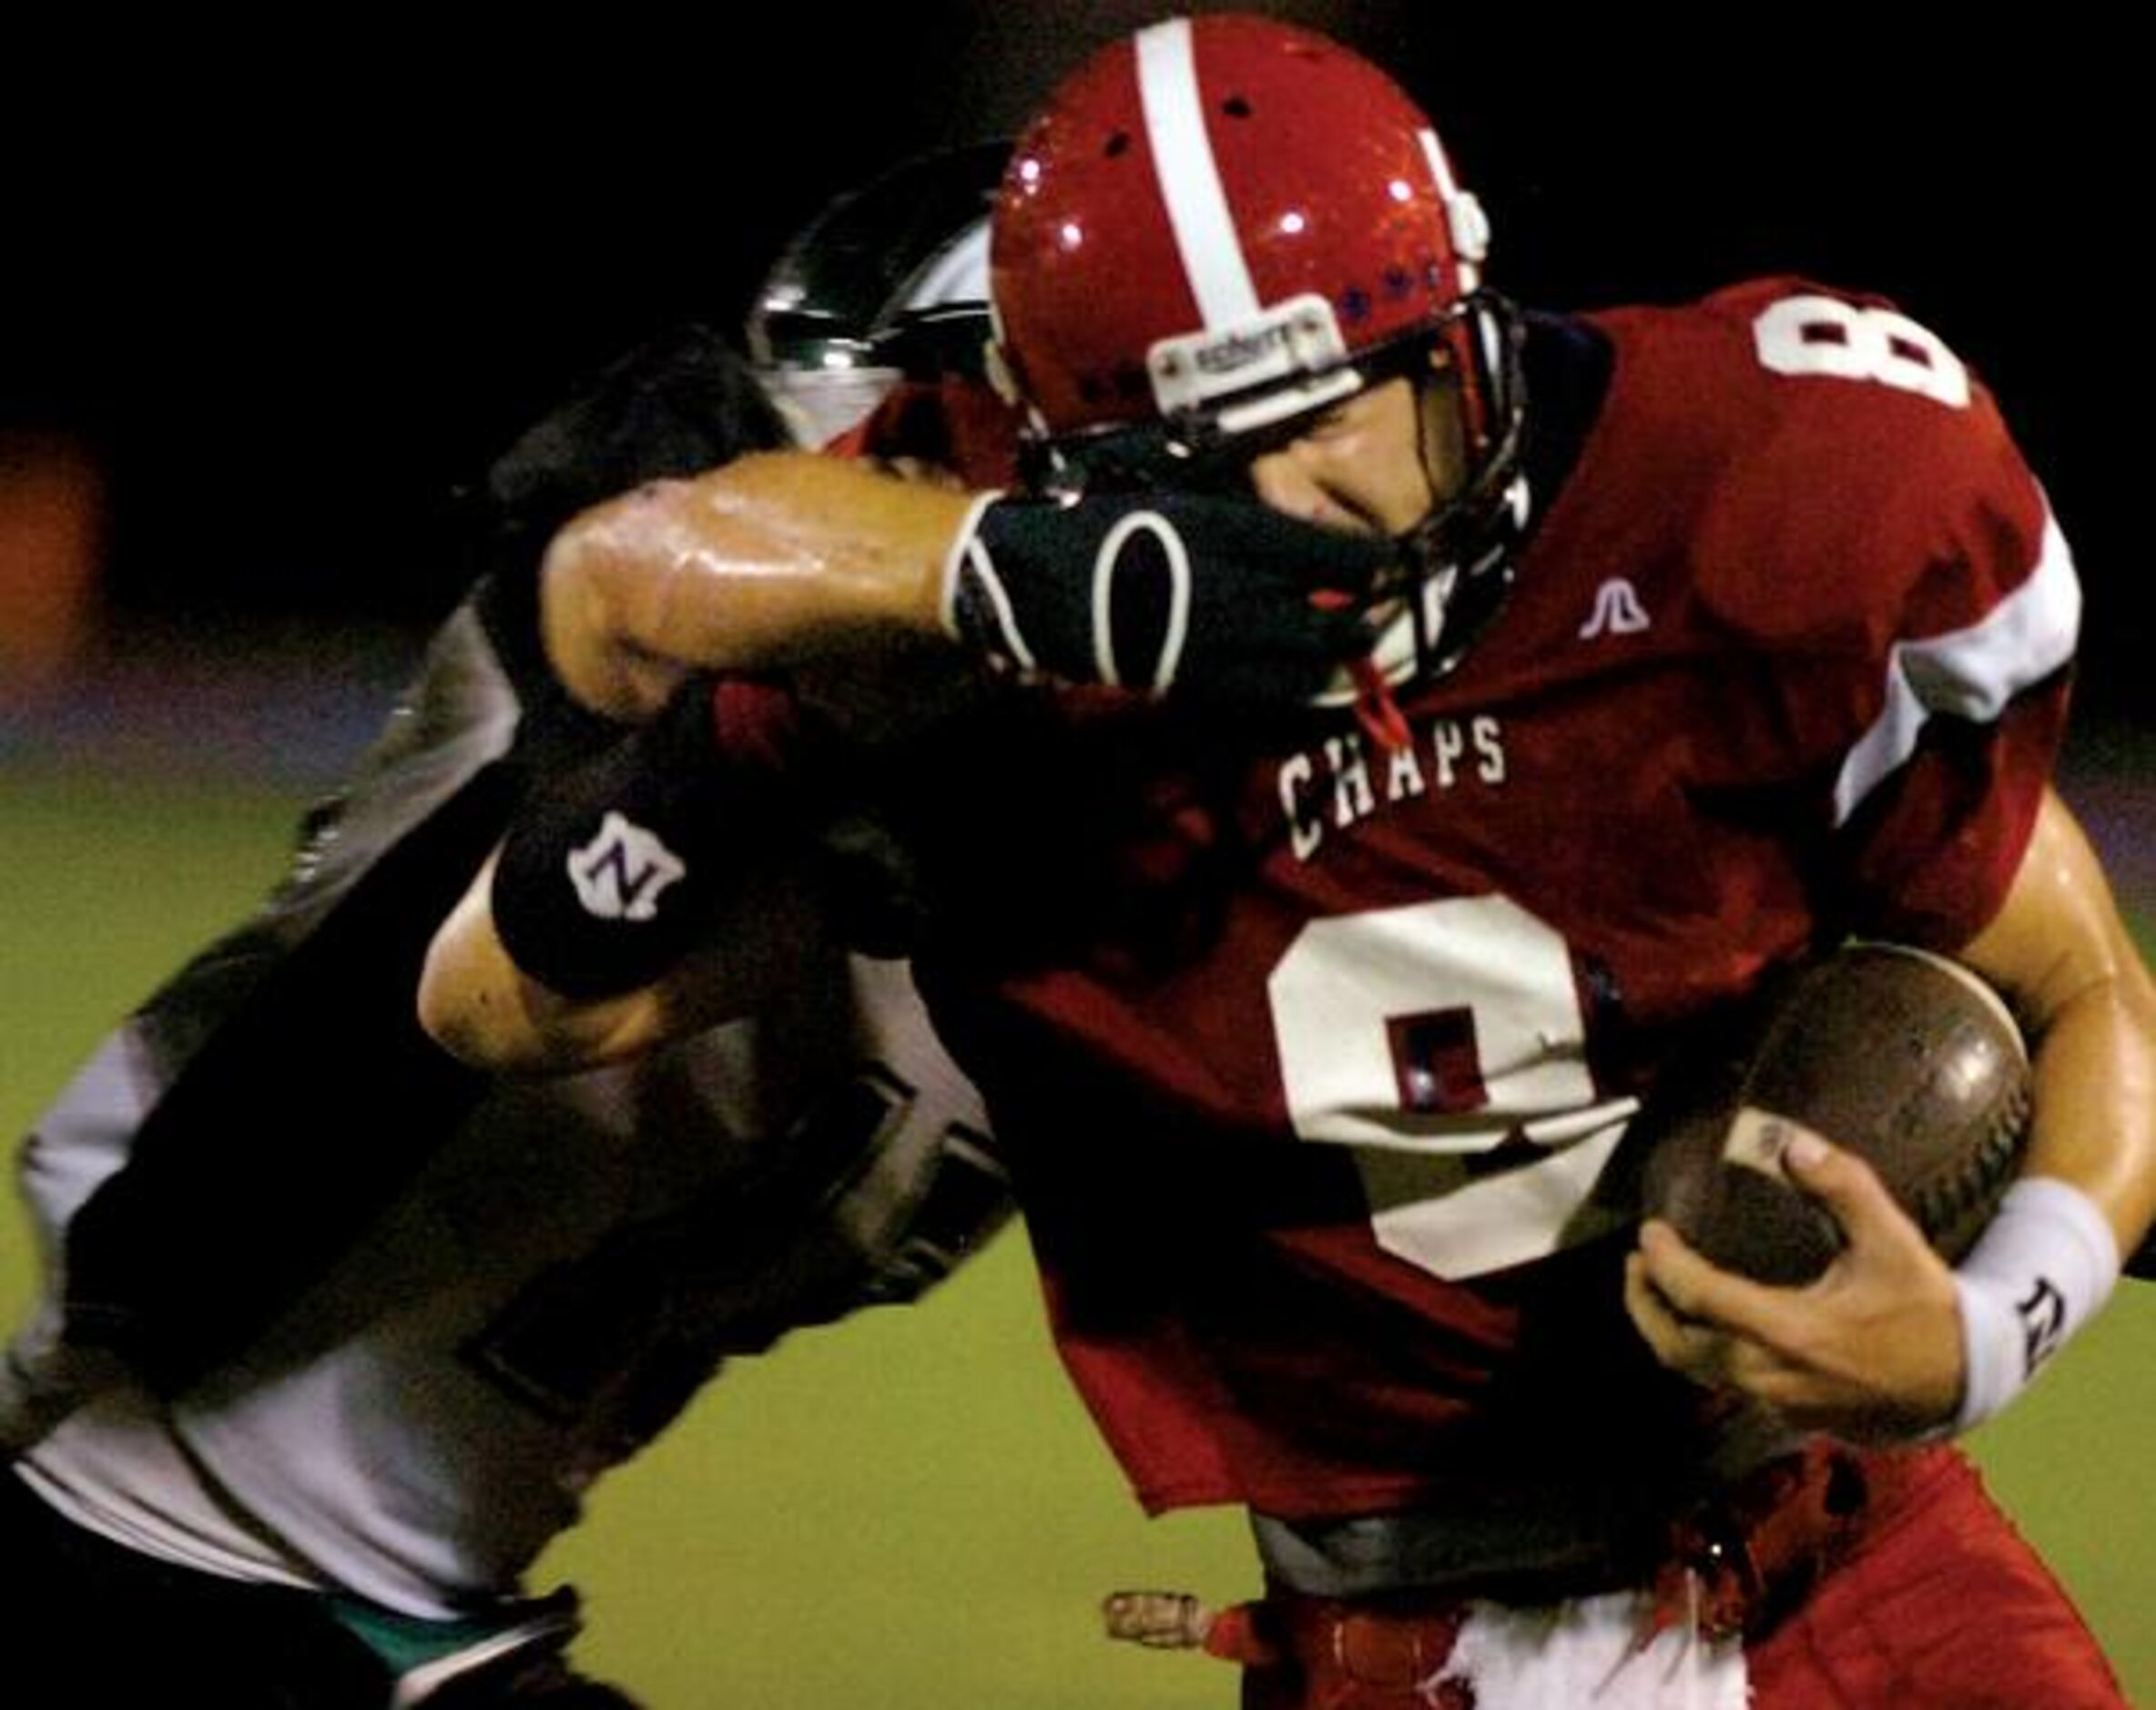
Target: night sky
[{"x": 291, "y": 288}]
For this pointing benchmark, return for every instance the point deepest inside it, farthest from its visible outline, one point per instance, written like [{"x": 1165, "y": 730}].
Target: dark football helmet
[
  {"x": 1223, "y": 224},
  {"x": 889, "y": 283}
]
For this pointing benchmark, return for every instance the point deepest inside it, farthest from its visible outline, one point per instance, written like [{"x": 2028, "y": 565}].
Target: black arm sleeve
[{"x": 610, "y": 867}]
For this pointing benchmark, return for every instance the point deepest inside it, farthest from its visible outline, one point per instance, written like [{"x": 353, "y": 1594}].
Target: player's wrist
[
  {"x": 605, "y": 879},
  {"x": 2043, "y": 1267}
]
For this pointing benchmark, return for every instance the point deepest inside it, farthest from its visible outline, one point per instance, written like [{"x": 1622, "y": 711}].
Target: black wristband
[{"x": 610, "y": 869}]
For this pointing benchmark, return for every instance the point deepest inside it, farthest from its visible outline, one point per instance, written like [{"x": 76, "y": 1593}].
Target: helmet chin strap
[
  {"x": 1456, "y": 562},
  {"x": 1426, "y": 549},
  {"x": 1458, "y": 559},
  {"x": 1455, "y": 568},
  {"x": 1459, "y": 568}
]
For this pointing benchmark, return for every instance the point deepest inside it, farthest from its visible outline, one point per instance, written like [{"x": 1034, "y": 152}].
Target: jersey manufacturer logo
[
  {"x": 1617, "y": 611},
  {"x": 621, "y": 873}
]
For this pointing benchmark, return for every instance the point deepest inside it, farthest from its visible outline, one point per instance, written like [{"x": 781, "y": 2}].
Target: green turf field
[{"x": 908, "y": 1509}]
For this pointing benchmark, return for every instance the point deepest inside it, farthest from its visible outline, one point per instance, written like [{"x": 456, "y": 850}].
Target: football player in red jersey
[{"x": 1314, "y": 924}]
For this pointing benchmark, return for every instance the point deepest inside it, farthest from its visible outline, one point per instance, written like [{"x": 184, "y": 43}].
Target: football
[{"x": 1903, "y": 1057}]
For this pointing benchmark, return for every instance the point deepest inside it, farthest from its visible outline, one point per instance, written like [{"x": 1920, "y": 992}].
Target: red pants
[
  {"x": 1942, "y": 1604},
  {"x": 1936, "y": 1603}
]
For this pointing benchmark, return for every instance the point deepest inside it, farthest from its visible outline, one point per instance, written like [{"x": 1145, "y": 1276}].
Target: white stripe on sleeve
[{"x": 1969, "y": 673}]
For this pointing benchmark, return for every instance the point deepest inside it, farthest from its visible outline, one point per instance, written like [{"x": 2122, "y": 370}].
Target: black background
[{"x": 292, "y": 283}]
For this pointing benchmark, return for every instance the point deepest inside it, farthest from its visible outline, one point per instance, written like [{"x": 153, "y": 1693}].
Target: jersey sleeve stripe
[{"x": 1970, "y": 673}]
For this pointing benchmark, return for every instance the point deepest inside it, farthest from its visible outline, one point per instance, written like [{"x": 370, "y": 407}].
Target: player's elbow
[
  {"x": 464, "y": 1016},
  {"x": 478, "y": 1005},
  {"x": 471, "y": 999}
]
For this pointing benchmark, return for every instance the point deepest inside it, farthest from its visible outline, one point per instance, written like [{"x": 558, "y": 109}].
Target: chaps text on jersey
[{"x": 1336, "y": 786}]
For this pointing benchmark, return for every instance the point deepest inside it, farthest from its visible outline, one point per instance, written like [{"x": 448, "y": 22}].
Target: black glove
[
  {"x": 683, "y": 402},
  {"x": 1167, "y": 593}
]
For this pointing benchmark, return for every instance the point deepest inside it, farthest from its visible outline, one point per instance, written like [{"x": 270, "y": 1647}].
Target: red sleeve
[
  {"x": 1936, "y": 794},
  {"x": 1929, "y": 859},
  {"x": 1872, "y": 529},
  {"x": 954, "y": 424},
  {"x": 756, "y": 723}
]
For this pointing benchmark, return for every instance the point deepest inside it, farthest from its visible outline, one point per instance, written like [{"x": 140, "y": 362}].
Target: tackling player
[
  {"x": 337, "y": 1333},
  {"x": 1313, "y": 1003}
]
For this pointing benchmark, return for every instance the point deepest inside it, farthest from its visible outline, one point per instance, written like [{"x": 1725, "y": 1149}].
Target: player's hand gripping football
[
  {"x": 1870, "y": 1352},
  {"x": 1170, "y": 593}
]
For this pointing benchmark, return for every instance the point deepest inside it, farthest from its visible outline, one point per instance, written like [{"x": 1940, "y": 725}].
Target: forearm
[
  {"x": 2049, "y": 1259},
  {"x": 1890, "y": 1341},
  {"x": 785, "y": 557},
  {"x": 480, "y": 1007},
  {"x": 648, "y": 886},
  {"x": 487, "y": 1012},
  {"x": 770, "y": 560},
  {"x": 2087, "y": 1002},
  {"x": 2096, "y": 1105}
]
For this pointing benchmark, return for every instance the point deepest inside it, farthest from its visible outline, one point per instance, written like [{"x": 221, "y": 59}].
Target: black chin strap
[
  {"x": 1458, "y": 560},
  {"x": 1457, "y": 567}
]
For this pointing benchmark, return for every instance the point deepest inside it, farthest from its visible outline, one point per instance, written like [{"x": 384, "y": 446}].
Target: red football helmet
[{"x": 1221, "y": 224}]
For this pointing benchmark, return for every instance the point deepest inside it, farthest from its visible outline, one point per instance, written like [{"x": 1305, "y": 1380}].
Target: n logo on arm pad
[{"x": 622, "y": 872}]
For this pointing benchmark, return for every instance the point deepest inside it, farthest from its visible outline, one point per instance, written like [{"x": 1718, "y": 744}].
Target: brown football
[{"x": 1901, "y": 1056}]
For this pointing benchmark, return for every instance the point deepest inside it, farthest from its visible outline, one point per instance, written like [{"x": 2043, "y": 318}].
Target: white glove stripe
[
  {"x": 984, "y": 573},
  {"x": 1179, "y": 598},
  {"x": 1104, "y": 602},
  {"x": 964, "y": 546},
  {"x": 1106, "y": 562}
]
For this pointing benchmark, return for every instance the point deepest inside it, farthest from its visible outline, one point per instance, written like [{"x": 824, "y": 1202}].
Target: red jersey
[{"x": 1316, "y": 1054}]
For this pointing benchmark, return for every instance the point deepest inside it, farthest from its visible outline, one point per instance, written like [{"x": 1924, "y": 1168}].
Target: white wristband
[{"x": 2043, "y": 1266}]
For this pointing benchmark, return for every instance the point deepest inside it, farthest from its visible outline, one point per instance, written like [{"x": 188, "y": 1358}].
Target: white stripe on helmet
[
  {"x": 1464, "y": 217},
  {"x": 1212, "y": 260}
]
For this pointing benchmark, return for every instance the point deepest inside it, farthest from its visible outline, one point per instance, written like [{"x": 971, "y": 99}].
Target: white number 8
[{"x": 1824, "y": 335}]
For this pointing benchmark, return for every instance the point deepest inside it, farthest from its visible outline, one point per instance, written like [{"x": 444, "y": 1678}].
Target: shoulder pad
[{"x": 1842, "y": 479}]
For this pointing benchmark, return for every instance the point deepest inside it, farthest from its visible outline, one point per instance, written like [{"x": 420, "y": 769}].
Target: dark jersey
[
  {"x": 325, "y": 1308},
  {"x": 284, "y": 1066}
]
